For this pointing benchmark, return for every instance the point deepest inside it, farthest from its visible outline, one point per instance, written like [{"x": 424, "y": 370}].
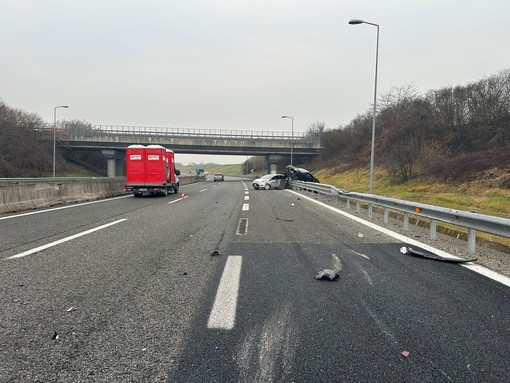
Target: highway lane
[
  {"x": 118, "y": 301},
  {"x": 289, "y": 327},
  {"x": 147, "y": 308}
]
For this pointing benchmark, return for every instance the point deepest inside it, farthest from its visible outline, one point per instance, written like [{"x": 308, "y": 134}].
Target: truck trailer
[{"x": 150, "y": 170}]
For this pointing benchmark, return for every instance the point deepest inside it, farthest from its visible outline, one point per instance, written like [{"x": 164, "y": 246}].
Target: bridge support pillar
[
  {"x": 116, "y": 162},
  {"x": 273, "y": 162}
]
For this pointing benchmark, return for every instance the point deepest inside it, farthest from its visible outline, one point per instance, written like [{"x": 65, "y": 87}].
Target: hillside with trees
[{"x": 454, "y": 134}]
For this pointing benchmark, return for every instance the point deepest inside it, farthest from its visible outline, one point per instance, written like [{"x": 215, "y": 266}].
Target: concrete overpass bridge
[{"x": 112, "y": 141}]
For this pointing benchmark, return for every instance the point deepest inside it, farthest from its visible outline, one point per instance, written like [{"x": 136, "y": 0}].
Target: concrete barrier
[{"x": 26, "y": 195}]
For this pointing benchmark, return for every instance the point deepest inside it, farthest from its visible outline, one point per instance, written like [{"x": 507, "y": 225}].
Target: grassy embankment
[{"x": 473, "y": 197}]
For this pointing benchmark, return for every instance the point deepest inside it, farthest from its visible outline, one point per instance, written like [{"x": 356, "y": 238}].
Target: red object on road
[{"x": 405, "y": 354}]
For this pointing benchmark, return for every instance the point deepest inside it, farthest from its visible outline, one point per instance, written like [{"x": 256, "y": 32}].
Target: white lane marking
[
  {"x": 246, "y": 198},
  {"x": 476, "y": 268},
  {"x": 43, "y": 247},
  {"x": 223, "y": 312},
  {"x": 203, "y": 190},
  {"x": 246, "y": 206},
  {"x": 177, "y": 200},
  {"x": 246, "y": 192},
  {"x": 63, "y": 207}
]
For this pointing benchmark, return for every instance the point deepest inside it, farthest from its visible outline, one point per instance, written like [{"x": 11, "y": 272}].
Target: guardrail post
[
  {"x": 406, "y": 221},
  {"x": 370, "y": 210},
  {"x": 471, "y": 241},
  {"x": 433, "y": 229},
  {"x": 358, "y": 207},
  {"x": 386, "y": 214},
  {"x": 348, "y": 204}
]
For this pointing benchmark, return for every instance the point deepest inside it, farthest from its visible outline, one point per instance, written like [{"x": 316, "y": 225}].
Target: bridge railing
[
  {"x": 471, "y": 221},
  {"x": 121, "y": 130}
]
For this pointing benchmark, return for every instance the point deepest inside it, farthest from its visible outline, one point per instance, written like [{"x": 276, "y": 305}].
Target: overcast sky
[{"x": 238, "y": 64}]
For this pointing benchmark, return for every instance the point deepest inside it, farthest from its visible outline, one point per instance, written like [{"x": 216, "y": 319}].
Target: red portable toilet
[
  {"x": 170, "y": 156},
  {"x": 155, "y": 165},
  {"x": 135, "y": 165}
]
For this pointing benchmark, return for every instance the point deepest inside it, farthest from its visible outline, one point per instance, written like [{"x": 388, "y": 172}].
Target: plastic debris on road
[
  {"x": 215, "y": 253},
  {"x": 72, "y": 308},
  {"x": 360, "y": 235},
  {"x": 55, "y": 336},
  {"x": 428, "y": 255},
  {"x": 405, "y": 354},
  {"x": 327, "y": 275}
]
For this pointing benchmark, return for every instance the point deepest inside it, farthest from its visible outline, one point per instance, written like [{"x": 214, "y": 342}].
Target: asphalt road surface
[{"x": 126, "y": 290}]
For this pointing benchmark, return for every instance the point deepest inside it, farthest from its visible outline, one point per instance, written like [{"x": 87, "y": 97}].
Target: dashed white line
[
  {"x": 177, "y": 200},
  {"x": 203, "y": 190},
  {"x": 246, "y": 198},
  {"x": 246, "y": 206},
  {"x": 223, "y": 312},
  {"x": 47, "y": 246}
]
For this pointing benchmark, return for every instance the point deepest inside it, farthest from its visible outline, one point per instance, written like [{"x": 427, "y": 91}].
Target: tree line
[{"x": 452, "y": 133}]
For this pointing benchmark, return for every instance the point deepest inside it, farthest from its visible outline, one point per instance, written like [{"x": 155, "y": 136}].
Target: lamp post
[
  {"x": 54, "y": 133},
  {"x": 372, "y": 150},
  {"x": 292, "y": 138}
]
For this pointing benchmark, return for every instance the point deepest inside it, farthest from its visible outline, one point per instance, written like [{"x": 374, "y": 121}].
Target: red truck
[{"x": 150, "y": 170}]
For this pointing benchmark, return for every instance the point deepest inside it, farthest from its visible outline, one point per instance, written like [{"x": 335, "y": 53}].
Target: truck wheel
[
  {"x": 166, "y": 191},
  {"x": 176, "y": 189}
]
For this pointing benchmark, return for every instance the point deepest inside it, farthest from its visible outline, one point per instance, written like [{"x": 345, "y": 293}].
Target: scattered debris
[
  {"x": 428, "y": 255},
  {"x": 292, "y": 204},
  {"x": 71, "y": 309},
  {"x": 285, "y": 220},
  {"x": 327, "y": 275},
  {"x": 55, "y": 336},
  {"x": 299, "y": 199},
  {"x": 215, "y": 253},
  {"x": 185, "y": 273},
  {"x": 360, "y": 235},
  {"x": 405, "y": 354}
]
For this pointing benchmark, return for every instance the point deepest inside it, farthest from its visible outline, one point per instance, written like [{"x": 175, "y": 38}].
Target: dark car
[{"x": 299, "y": 174}]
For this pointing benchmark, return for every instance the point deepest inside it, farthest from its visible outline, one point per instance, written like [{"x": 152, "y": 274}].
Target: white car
[
  {"x": 219, "y": 177},
  {"x": 270, "y": 181}
]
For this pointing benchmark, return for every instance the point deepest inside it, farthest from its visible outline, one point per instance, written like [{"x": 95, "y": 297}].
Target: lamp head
[{"x": 356, "y": 21}]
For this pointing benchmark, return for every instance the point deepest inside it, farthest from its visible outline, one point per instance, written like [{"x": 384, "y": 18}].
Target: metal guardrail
[{"x": 472, "y": 221}]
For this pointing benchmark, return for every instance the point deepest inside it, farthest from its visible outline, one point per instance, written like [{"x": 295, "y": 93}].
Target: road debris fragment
[
  {"x": 360, "y": 235},
  {"x": 55, "y": 336},
  {"x": 71, "y": 309},
  {"x": 428, "y": 255},
  {"x": 215, "y": 253},
  {"x": 405, "y": 354},
  {"x": 327, "y": 275}
]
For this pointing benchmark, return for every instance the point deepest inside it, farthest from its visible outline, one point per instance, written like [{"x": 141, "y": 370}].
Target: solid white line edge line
[
  {"x": 43, "y": 247},
  {"x": 63, "y": 207},
  {"x": 223, "y": 312},
  {"x": 476, "y": 268}
]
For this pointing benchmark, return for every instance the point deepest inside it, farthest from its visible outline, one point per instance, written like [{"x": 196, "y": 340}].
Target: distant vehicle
[
  {"x": 270, "y": 181},
  {"x": 150, "y": 170},
  {"x": 219, "y": 177},
  {"x": 300, "y": 174}
]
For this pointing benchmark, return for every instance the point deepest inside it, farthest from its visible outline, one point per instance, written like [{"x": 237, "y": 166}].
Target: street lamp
[
  {"x": 354, "y": 22},
  {"x": 292, "y": 138},
  {"x": 54, "y": 133}
]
